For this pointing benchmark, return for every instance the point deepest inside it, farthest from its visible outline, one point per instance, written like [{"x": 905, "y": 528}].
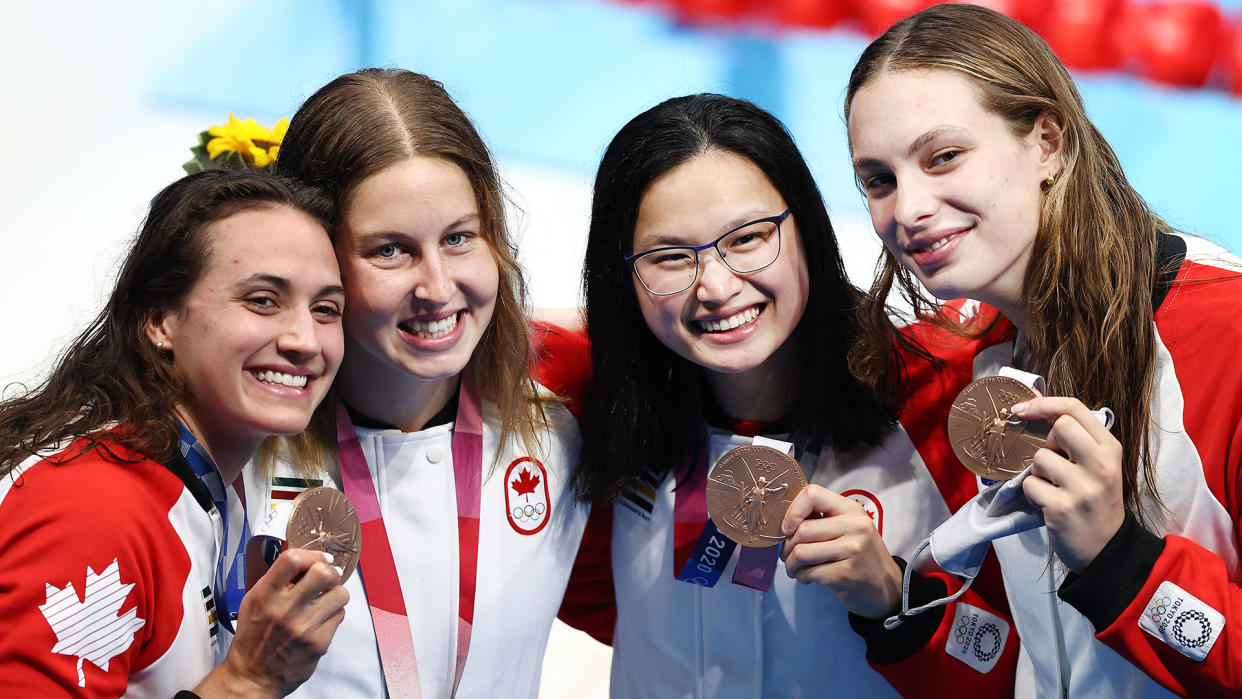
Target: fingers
[
  {"x": 291, "y": 565},
  {"x": 816, "y": 501},
  {"x": 1054, "y": 407}
]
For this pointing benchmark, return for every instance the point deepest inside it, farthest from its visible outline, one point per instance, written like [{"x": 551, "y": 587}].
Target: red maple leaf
[{"x": 524, "y": 484}]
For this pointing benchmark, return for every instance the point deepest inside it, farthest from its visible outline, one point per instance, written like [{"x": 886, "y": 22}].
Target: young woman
[
  {"x": 453, "y": 456},
  {"x": 223, "y": 329},
  {"x": 718, "y": 311},
  {"x": 986, "y": 181}
]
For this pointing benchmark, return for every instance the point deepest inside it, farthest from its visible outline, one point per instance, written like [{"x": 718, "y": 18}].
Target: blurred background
[{"x": 103, "y": 101}]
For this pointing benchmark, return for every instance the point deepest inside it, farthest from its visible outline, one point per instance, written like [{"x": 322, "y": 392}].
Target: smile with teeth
[
  {"x": 432, "y": 329},
  {"x": 280, "y": 378},
  {"x": 936, "y": 245},
  {"x": 733, "y": 321}
]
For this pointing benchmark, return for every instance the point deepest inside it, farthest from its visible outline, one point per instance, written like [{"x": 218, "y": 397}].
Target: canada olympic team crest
[{"x": 526, "y": 496}]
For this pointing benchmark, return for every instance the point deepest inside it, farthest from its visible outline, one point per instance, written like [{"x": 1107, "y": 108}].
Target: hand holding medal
[
  {"x": 834, "y": 542},
  {"x": 999, "y": 427}
]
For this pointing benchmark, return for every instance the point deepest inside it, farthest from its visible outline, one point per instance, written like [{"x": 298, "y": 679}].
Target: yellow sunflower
[{"x": 254, "y": 143}]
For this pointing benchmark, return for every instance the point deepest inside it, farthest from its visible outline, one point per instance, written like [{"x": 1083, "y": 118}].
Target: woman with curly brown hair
[{"x": 223, "y": 329}]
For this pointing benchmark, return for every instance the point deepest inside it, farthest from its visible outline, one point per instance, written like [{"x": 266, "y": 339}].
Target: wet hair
[
  {"x": 1088, "y": 288},
  {"x": 362, "y": 123},
  {"x": 111, "y": 374},
  {"x": 645, "y": 410}
]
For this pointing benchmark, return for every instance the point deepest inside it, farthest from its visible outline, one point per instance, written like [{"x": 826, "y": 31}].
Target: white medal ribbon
[{"x": 960, "y": 544}]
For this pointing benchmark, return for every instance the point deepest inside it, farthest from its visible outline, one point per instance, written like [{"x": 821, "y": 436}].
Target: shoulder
[
  {"x": 107, "y": 486},
  {"x": 562, "y": 362},
  {"x": 1202, "y": 311},
  {"x": 88, "y": 552}
]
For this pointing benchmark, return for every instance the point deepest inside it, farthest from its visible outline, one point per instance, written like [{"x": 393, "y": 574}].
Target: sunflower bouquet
[{"x": 237, "y": 144}]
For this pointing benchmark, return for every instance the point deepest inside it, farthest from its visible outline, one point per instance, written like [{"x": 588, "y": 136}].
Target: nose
[
  {"x": 717, "y": 283},
  {"x": 915, "y": 202},
  {"x": 299, "y": 341},
  {"x": 432, "y": 282}
]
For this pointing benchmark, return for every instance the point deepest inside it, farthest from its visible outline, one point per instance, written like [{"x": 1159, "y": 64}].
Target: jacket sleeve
[
  {"x": 969, "y": 644},
  {"x": 89, "y": 592},
  {"x": 590, "y": 603},
  {"x": 1168, "y": 606}
]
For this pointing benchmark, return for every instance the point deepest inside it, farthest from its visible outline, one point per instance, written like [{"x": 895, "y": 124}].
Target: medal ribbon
[
  {"x": 230, "y": 585},
  {"x": 376, "y": 564},
  {"x": 704, "y": 562}
]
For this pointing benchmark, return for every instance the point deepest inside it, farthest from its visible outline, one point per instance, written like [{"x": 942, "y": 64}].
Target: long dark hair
[
  {"x": 111, "y": 374},
  {"x": 645, "y": 409},
  {"x": 364, "y": 122}
]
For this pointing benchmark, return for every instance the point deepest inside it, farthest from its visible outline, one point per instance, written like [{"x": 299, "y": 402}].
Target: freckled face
[
  {"x": 726, "y": 322},
  {"x": 420, "y": 279},
  {"x": 954, "y": 194}
]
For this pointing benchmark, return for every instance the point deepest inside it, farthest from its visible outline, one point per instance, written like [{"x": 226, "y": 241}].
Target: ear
[
  {"x": 1047, "y": 137},
  {"x": 159, "y": 325}
]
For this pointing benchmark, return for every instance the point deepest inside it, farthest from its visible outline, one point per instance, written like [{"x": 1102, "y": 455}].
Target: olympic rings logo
[
  {"x": 529, "y": 513},
  {"x": 962, "y": 630},
  {"x": 1159, "y": 609}
]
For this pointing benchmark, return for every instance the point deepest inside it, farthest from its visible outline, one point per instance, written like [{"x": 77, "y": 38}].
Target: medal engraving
[
  {"x": 323, "y": 519},
  {"x": 989, "y": 439},
  {"x": 748, "y": 491}
]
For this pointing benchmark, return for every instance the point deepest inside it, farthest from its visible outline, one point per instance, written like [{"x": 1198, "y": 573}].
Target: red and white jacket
[
  {"x": 1160, "y": 608},
  {"x": 105, "y": 578}
]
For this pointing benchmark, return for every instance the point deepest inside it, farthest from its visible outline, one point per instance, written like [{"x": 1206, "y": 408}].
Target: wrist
[{"x": 229, "y": 680}]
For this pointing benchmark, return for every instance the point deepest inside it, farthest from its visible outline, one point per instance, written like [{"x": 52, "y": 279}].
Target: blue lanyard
[{"x": 230, "y": 585}]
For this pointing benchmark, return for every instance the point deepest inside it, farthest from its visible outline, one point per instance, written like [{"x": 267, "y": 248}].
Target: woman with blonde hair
[
  {"x": 456, "y": 459},
  {"x": 986, "y": 180}
]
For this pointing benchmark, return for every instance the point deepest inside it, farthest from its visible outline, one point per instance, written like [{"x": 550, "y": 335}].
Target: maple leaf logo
[
  {"x": 524, "y": 484},
  {"x": 91, "y": 629}
]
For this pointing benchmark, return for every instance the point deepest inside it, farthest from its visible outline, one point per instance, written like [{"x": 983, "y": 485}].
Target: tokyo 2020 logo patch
[
  {"x": 1184, "y": 622},
  {"x": 978, "y": 637},
  {"x": 527, "y": 503}
]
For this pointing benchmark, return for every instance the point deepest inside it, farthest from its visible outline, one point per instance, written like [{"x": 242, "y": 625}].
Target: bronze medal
[
  {"x": 988, "y": 439},
  {"x": 323, "y": 519},
  {"x": 748, "y": 491}
]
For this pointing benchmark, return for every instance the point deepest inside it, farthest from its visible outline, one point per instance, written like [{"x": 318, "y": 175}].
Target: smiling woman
[
  {"x": 442, "y": 435},
  {"x": 223, "y": 330},
  {"x": 987, "y": 181}
]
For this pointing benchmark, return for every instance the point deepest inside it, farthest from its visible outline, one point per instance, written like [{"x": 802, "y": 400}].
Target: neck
[
  {"x": 393, "y": 397},
  {"x": 762, "y": 394},
  {"x": 228, "y": 452}
]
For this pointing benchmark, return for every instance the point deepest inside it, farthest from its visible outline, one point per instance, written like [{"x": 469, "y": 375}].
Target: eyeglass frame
[{"x": 777, "y": 219}]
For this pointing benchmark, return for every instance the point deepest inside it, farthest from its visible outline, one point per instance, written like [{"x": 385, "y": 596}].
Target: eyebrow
[
  {"x": 387, "y": 233},
  {"x": 915, "y": 146},
  {"x": 283, "y": 284},
  {"x": 668, "y": 239}
]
